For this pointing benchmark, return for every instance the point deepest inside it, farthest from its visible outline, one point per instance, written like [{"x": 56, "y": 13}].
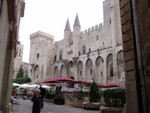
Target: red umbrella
[
  {"x": 58, "y": 80},
  {"x": 64, "y": 79},
  {"x": 50, "y": 80},
  {"x": 82, "y": 82},
  {"x": 114, "y": 85},
  {"x": 101, "y": 85}
]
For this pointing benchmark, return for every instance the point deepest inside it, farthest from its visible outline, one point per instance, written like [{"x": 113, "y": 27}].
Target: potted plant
[
  {"x": 49, "y": 94},
  {"x": 59, "y": 99},
  {"x": 77, "y": 102},
  {"x": 94, "y": 98},
  {"x": 94, "y": 95}
]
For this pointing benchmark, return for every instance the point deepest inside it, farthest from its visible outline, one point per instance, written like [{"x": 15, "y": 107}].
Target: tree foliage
[
  {"x": 20, "y": 73},
  {"x": 94, "y": 94},
  {"x": 21, "y": 80}
]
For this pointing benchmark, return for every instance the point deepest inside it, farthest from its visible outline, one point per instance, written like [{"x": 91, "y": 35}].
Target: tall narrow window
[
  {"x": 97, "y": 37},
  {"x": 55, "y": 58},
  {"x": 91, "y": 71},
  {"x": 37, "y": 56},
  {"x": 60, "y": 55},
  {"x": 84, "y": 49},
  {"x": 89, "y": 50},
  {"x": 80, "y": 73}
]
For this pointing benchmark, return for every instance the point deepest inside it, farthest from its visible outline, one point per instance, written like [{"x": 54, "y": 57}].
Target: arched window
[
  {"x": 62, "y": 71},
  {"x": 37, "y": 56},
  {"x": 97, "y": 37},
  {"x": 55, "y": 57},
  {"x": 89, "y": 70},
  {"x": 70, "y": 71},
  {"x": 110, "y": 70},
  {"x": 99, "y": 70},
  {"x": 56, "y": 73},
  {"x": 80, "y": 70},
  {"x": 120, "y": 60},
  {"x": 36, "y": 72},
  {"x": 120, "y": 64},
  {"x": 60, "y": 55},
  {"x": 89, "y": 50}
]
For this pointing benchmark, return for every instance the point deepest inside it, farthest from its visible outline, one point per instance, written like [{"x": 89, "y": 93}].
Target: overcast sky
[{"x": 50, "y": 16}]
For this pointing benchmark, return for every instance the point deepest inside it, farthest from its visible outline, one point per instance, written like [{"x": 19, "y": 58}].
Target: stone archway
[
  {"x": 70, "y": 69},
  {"x": 99, "y": 70},
  {"x": 63, "y": 71},
  {"x": 110, "y": 70},
  {"x": 36, "y": 72},
  {"x": 56, "y": 73},
  {"x": 120, "y": 65},
  {"x": 89, "y": 70},
  {"x": 80, "y": 70}
]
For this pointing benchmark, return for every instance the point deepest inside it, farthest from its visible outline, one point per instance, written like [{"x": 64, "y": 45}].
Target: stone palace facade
[{"x": 93, "y": 55}]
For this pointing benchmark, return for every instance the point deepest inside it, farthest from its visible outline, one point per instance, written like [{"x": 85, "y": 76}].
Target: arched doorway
[
  {"x": 99, "y": 70},
  {"x": 120, "y": 65},
  {"x": 70, "y": 69},
  {"x": 80, "y": 70},
  {"x": 56, "y": 73},
  {"x": 89, "y": 70},
  {"x": 62, "y": 71},
  {"x": 36, "y": 72},
  {"x": 110, "y": 71}
]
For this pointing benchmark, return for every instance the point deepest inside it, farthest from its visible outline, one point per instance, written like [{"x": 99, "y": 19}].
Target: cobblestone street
[{"x": 26, "y": 107}]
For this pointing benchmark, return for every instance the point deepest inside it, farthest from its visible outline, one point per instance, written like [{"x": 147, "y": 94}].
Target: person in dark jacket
[
  {"x": 37, "y": 101},
  {"x": 42, "y": 93}
]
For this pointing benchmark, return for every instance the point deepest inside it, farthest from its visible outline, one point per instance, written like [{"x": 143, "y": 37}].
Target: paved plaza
[{"x": 26, "y": 107}]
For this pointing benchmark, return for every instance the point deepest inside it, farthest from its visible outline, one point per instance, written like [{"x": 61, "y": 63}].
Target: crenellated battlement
[
  {"x": 60, "y": 41},
  {"x": 42, "y": 34},
  {"x": 93, "y": 28}
]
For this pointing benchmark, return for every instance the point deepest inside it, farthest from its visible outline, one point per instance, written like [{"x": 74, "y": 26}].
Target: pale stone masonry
[
  {"x": 9, "y": 26},
  {"x": 18, "y": 59},
  {"x": 25, "y": 67},
  {"x": 41, "y": 55},
  {"x": 92, "y": 55}
]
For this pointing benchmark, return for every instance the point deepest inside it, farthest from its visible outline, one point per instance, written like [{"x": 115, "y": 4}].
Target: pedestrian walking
[
  {"x": 37, "y": 101},
  {"x": 17, "y": 91},
  {"x": 43, "y": 92}
]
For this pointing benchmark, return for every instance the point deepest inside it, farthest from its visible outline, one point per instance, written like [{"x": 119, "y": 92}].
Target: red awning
[
  {"x": 58, "y": 80},
  {"x": 114, "y": 85}
]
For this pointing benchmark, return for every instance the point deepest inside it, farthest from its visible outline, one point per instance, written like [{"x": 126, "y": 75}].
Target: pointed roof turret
[
  {"x": 77, "y": 22},
  {"x": 67, "y": 28}
]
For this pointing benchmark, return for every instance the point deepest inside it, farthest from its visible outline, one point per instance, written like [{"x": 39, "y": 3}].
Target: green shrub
[
  {"x": 59, "y": 96},
  {"x": 94, "y": 95},
  {"x": 21, "y": 80},
  {"x": 80, "y": 95},
  {"x": 114, "y": 97}
]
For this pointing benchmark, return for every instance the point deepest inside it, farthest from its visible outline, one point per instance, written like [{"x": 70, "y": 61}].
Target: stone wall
[
  {"x": 131, "y": 92},
  {"x": 136, "y": 32},
  {"x": 9, "y": 24}
]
